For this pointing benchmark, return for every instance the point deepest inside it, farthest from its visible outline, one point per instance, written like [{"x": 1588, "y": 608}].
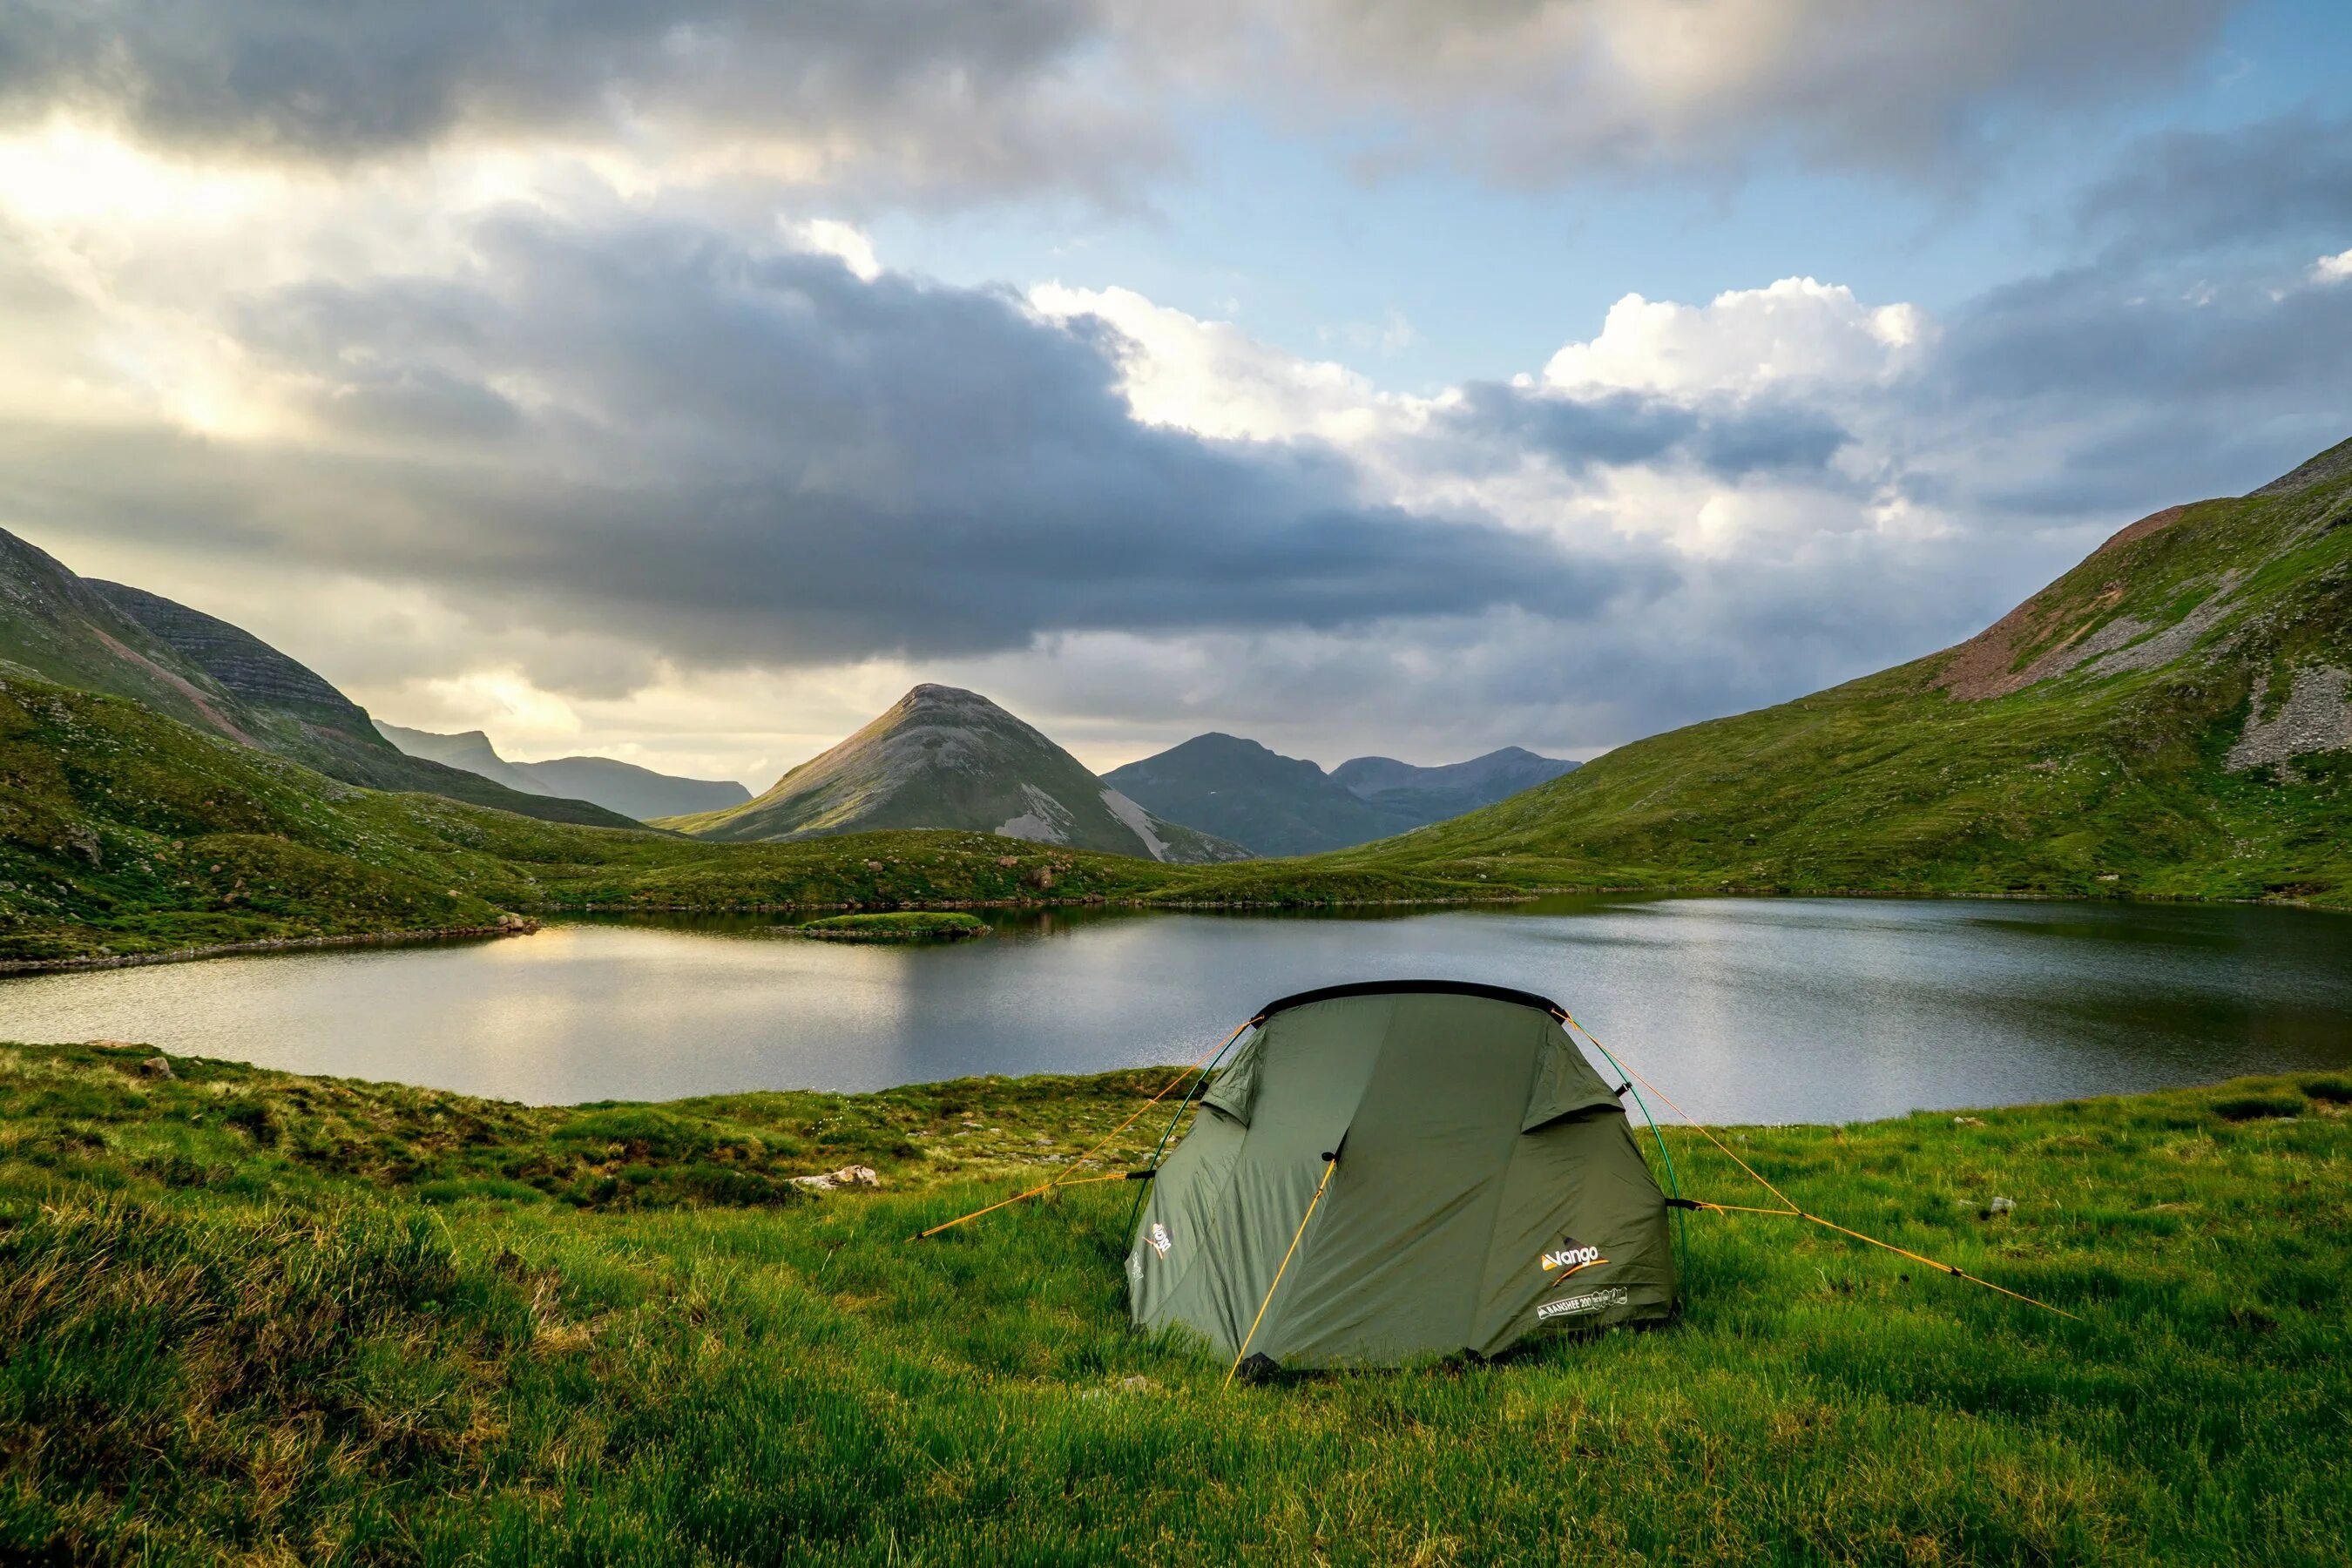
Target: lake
[{"x": 1748, "y": 1009}]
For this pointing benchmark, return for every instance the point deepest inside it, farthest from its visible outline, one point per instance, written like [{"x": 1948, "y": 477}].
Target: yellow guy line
[
  {"x": 1062, "y": 1178},
  {"x": 1278, "y": 1274},
  {"x": 1795, "y": 1211}
]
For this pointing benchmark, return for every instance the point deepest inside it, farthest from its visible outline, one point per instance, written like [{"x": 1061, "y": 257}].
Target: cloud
[
  {"x": 2333, "y": 269},
  {"x": 2088, "y": 390},
  {"x": 949, "y": 98},
  {"x": 1794, "y": 333},
  {"x": 628, "y": 460},
  {"x": 1215, "y": 379},
  {"x": 1723, "y": 438},
  {"x": 920, "y": 93},
  {"x": 470, "y": 432},
  {"x": 1546, "y": 92},
  {"x": 2188, "y": 192},
  {"x": 756, "y": 457}
]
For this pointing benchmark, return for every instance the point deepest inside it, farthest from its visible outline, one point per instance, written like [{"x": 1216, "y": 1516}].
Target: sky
[{"x": 681, "y": 380}]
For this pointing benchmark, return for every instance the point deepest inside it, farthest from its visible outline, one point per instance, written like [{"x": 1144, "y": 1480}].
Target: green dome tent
[{"x": 1393, "y": 1170}]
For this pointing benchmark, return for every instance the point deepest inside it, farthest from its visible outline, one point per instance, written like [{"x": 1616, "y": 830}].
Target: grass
[
  {"x": 253, "y": 1317},
  {"x": 896, "y": 925}
]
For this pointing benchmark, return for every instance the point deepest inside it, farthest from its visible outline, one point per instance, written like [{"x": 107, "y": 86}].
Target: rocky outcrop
[{"x": 2316, "y": 717}]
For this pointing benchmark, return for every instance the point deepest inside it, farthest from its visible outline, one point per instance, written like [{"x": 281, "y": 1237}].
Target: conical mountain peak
[{"x": 943, "y": 757}]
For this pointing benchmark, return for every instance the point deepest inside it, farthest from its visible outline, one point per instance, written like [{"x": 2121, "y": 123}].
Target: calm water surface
[{"x": 1798, "y": 1009}]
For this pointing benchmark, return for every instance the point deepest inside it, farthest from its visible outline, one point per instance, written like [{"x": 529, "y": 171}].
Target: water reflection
[{"x": 1757, "y": 1009}]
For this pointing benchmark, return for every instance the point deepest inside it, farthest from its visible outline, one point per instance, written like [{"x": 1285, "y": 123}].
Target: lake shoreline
[
  {"x": 521, "y": 926},
  {"x": 541, "y": 913}
]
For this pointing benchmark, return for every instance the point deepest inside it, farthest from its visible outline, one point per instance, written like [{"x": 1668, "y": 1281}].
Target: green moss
[{"x": 902, "y": 925}]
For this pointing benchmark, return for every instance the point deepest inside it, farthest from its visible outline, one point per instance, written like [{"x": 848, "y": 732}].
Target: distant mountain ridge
[
  {"x": 635, "y": 792},
  {"x": 1276, "y": 805},
  {"x": 108, "y": 637},
  {"x": 1280, "y": 806},
  {"x": 942, "y": 757},
  {"x": 1434, "y": 793}
]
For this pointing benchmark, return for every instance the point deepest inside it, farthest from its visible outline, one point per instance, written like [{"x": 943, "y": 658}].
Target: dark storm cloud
[
  {"x": 1579, "y": 433},
  {"x": 760, "y": 458},
  {"x": 1074, "y": 93},
  {"x": 2285, "y": 179},
  {"x": 1549, "y": 92},
  {"x": 941, "y": 90}
]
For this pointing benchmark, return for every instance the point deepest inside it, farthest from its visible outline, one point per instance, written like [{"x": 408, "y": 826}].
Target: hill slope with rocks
[
  {"x": 2169, "y": 718},
  {"x": 944, "y": 758}
]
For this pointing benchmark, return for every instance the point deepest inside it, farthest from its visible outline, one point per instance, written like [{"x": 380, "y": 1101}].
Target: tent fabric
[{"x": 1488, "y": 1186}]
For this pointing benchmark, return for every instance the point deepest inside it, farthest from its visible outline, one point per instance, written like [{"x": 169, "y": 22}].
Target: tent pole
[
  {"x": 1043, "y": 1187},
  {"x": 1796, "y": 1211},
  {"x": 1328, "y": 1166},
  {"x": 1673, "y": 1182},
  {"x": 1135, "y": 1211}
]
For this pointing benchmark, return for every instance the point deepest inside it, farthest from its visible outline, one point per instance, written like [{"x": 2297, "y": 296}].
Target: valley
[{"x": 2167, "y": 720}]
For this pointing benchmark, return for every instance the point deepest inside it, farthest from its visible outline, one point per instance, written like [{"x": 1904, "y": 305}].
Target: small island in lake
[{"x": 901, "y": 925}]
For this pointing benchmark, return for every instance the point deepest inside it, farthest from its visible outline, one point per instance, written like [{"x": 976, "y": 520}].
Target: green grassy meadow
[{"x": 251, "y": 1316}]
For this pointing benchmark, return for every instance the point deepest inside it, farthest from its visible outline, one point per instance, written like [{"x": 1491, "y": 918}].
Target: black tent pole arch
[{"x": 1135, "y": 1210}]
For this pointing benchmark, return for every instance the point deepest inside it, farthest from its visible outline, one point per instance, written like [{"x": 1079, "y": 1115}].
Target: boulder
[{"x": 847, "y": 1176}]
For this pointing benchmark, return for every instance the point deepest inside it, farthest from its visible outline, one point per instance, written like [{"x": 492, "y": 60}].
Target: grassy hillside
[
  {"x": 57, "y": 627},
  {"x": 278, "y": 704},
  {"x": 249, "y": 1316},
  {"x": 2166, "y": 719},
  {"x": 124, "y": 833}
]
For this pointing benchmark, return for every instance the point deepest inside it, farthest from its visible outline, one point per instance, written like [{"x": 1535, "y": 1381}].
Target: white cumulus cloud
[{"x": 1745, "y": 341}]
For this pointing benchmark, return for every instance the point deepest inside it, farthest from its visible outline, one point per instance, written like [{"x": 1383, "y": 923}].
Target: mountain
[
  {"x": 941, "y": 757},
  {"x": 56, "y": 626},
  {"x": 102, "y": 637},
  {"x": 2170, "y": 717},
  {"x": 123, "y": 833},
  {"x": 470, "y": 749},
  {"x": 1433, "y": 794},
  {"x": 1240, "y": 790},
  {"x": 1284, "y": 805},
  {"x": 634, "y": 792}
]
